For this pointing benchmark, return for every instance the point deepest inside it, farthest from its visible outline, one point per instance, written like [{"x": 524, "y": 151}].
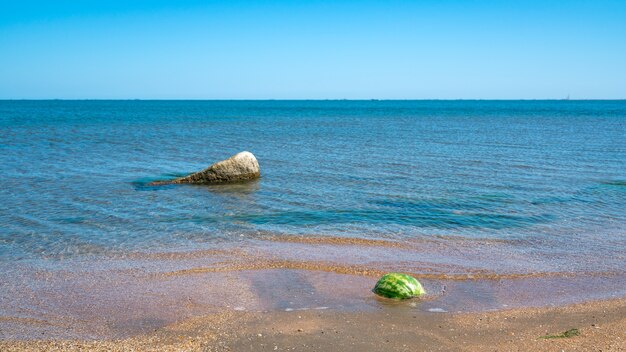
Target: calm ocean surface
[{"x": 548, "y": 177}]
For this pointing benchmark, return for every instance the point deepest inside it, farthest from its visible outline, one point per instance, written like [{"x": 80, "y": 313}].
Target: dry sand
[{"x": 601, "y": 325}]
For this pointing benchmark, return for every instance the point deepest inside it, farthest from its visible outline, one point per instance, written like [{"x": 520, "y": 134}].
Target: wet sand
[
  {"x": 296, "y": 293},
  {"x": 601, "y": 327}
]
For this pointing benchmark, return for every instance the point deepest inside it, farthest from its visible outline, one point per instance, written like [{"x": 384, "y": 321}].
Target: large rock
[{"x": 239, "y": 167}]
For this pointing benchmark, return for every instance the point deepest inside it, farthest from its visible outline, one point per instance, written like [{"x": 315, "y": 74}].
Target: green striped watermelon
[{"x": 398, "y": 286}]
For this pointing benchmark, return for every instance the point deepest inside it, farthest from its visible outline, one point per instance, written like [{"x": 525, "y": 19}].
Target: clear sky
[{"x": 312, "y": 49}]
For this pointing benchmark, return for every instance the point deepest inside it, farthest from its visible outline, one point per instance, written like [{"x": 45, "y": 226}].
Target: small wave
[
  {"x": 333, "y": 240},
  {"x": 621, "y": 183},
  {"x": 435, "y": 218},
  {"x": 404, "y": 243},
  {"x": 359, "y": 270}
]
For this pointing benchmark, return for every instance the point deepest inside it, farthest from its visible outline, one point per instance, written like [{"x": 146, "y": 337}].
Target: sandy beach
[
  {"x": 601, "y": 326},
  {"x": 254, "y": 298}
]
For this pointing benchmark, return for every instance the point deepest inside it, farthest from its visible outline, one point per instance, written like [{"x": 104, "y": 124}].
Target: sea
[{"x": 488, "y": 195}]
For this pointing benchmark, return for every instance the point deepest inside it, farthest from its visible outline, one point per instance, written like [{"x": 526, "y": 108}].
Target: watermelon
[{"x": 398, "y": 286}]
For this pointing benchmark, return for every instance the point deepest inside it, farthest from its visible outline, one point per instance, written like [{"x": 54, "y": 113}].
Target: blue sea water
[{"x": 548, "y": 176}]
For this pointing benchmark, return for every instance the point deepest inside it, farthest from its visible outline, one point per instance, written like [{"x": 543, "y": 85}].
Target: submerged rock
[
  {"x": 239, "y": 167},
  {"x": 398, "y": 286}
]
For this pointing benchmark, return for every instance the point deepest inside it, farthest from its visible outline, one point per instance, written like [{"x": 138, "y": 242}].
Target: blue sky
[{"x": 312, "y": 49}]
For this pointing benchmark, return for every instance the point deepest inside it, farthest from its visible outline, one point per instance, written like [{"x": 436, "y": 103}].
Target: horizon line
[{"x": 314, "y": 99}]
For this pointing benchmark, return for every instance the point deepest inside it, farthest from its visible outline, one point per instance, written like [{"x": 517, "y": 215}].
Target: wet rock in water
[{"x": 239, "y": 167}]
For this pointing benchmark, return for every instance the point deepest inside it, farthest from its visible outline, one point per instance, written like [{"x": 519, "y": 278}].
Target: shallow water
[{"x": 476, "y": 187}]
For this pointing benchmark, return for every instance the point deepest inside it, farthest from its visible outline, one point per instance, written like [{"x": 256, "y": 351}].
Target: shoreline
[
  {"x": 142, "y": 292},
  {"x": 601, "y": 325}
]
